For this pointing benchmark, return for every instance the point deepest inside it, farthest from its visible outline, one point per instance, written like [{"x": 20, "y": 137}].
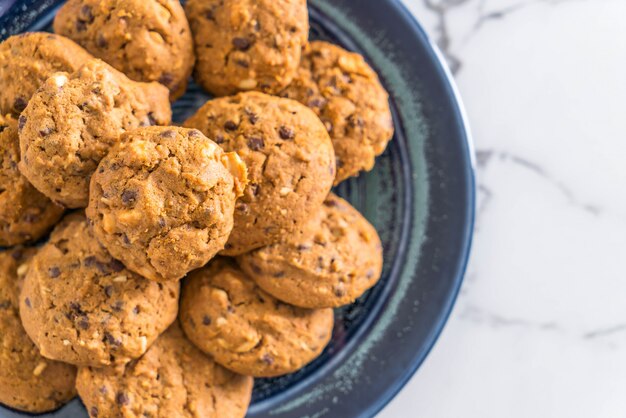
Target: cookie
[
  {"x": 290, "y": 159},
  {"x": 81, "y": 306},
  {"x": 29, "y": 59},
  {"x": 246, "y": 330},
  {"x": 28, "y": 381},
  {"x": 162, "y": 201},
  {"x": 148, "y": 40},
  {"x": 25, "y": 213},
  {"x": 72, "y": 122},
  {"x": 173, "y": 379},
  {"x": 333, "y": 260},
  {"x": 347, "y": 95},
  {"x": 247, "y": 44}
]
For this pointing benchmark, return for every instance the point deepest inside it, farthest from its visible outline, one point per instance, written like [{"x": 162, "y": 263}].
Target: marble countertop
[{"x": 540, "y": 326}]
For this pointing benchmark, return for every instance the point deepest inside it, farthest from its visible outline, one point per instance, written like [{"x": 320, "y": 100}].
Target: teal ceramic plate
[{"x": 420, "y": 197}]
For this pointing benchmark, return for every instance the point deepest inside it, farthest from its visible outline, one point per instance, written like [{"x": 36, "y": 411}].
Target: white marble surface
[{"x": 540, "y": 327}]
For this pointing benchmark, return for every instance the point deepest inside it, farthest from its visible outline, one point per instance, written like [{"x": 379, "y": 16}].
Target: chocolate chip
[
  {"x": 101, "y": 41},
  {"x": 20, "y": 104},
  {"x": 136, "y": 310},
  {"x": 118, "y": 305},
  {"x": 303, "y": 247},
  {"x": 317, "y": 102},
  {"x": 209, "y": 14},
  {"x": 241, "y": 207},
  {"x": 86, "y": 14},
  {"x": 286, "y": 132},
  {"x": 122, "y": 399},
  {"x": 103, "y": 390},
  {"x": 93, "y": 412},
  {"x": 46, "y": 131},
  {"x": 331, "y": 203},
  {"x": 256, "y": 144},
  {"x": 108, "y": 291},
  {"x": 162, "y": 222},
  {"x": 112, "y": 340},
  {"x": 206, "y": 320},
  {"x": 279, "y": 274},
  {"x": 255, "y": 188},
  {"x": 151, "y": 119},
  {"x": 31, "y": 218},
  {"x": 166, "y": 78},
  {"x": 256, "y": 269},
  {"x": 228, "y": 246},
  {"x": 116, "y": 265},
  {"x": 338, "y": 162},
  {"x": 5, "y": 304},
  {"x": 268, "y": 359},
  {"x": 54, "y": 272},
  {"x": 83, "y": 323},
  {"x": 81, "y": 26},
  {"x": 27, "y": 302},
  {"x": 242, "y": 44},
  {"x": 168, "y": 134},
  {"x": 194, "y": 133},
  {"x": 340, "y": 291},
  {"x": 125, "y": 239},
  {"x": 370, "y": 273},
  {"x": 76, "y": 308},
  {"x": 253, "y": 118},
  {"x": 229, "y": 125},
  {"x": 219, "y": 139},
  {"x": 17, "y": 254},
  {"x": 242, "y": 63},
  {"x": 129, "y": 197},
  {"x": 356, "y": 121}
]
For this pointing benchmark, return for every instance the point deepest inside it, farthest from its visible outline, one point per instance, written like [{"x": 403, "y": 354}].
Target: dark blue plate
[{"x": 420, "y": 197}]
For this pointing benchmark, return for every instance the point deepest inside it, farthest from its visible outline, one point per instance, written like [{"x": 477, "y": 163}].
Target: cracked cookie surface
[
  {"x": 290, "y": 159},
  {"x": 245, "y": 329},
  {"x": 247, "y": 44},
  {"x": 172, "y": 380},
  {"x": 28, "y": 381},
  {"x": 25, "y": 214},
  {"x": 347, "y": 95},
  {"x": 29, "y": 59},
  {"x": 333, "y": 260},
  {"x": 81, "y": 306},
  {"x": 148, "y": 40},
  {"x": 162, "y": 201},
  {"x": 72, "y": 122}
]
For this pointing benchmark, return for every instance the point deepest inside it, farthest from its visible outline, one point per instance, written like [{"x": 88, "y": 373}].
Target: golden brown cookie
[
  {"x": 148, "y": 40},
  {"x": 162, "y": 201},
  {"x": 81, "y": 306},
  {"x": 245, "y": 329},
  {"x": 346, "y": 94},
  {"x": 28, "y": 381},
  {"x": 333, "y": 260},
  {"x": 290, "y": 159},
  {"x": 72, "y": 122},
  {"x": 172, "y": 380},
  {"x": 25, "y": 213},
  {"x": 247, "y": 44},
  {"x": 29, "y": 59}
]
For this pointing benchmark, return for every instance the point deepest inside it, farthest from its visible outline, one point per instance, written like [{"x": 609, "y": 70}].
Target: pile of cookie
[{"x": 183, "y": 260}]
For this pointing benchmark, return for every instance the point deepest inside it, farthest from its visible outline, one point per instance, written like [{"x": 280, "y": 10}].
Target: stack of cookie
[{"x": 235, "y": 204}]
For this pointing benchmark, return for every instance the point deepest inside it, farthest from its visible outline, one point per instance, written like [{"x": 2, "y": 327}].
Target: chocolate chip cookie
[
  {"x": 162, "y": 201},
  {"x": 332, "y": 261},
  {"x": 247, "y": 44},
  {"x": 290, "y": 159},
  {"x": 28, "y": 381},
  {"x": 81, "y": 306},
  {"x": 148, "y": 40},
  {"x": 29, "y": 59},
  {"x": 173, "y": 379},
  {"x": 72, "y": 122},
  {"x": 245, "y": 329},
  {"x": 25, "y": 213},
  {"x": 346, "y": 94}
]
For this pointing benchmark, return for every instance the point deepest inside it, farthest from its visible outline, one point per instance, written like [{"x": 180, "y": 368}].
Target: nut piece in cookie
[
  {"x": 28, "y": 381},
  {"x": 29, "y": 59},
  {"x": 347, "y": 95},
  {"x": 173, "y": 379},
  {"x": 25, "y": 213},
  {"x": 245, "y": 329},
  {"x": 162, "y": 200},
  {"x": 73, "y": 120},
  {"x": 81, "y": 306},
  {"x": 290, "y": 159},
  {"x": 247, "y": 45},
  {"x": 148, "y": 40},
  {"x": 333, "y": 260}
]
